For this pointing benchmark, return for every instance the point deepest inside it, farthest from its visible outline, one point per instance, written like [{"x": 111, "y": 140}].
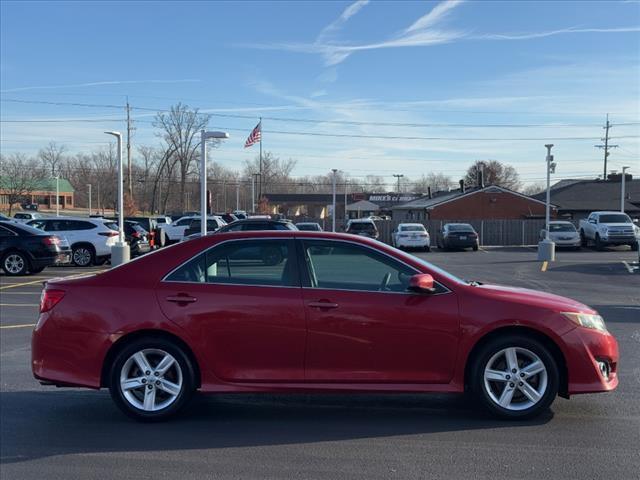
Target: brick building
[
  {"x": 477, "y": 203},
  {"x": 44, "y": 194}
]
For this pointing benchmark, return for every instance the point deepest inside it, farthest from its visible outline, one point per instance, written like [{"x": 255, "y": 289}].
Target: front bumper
[
  {"x": 585, "y": 348},
  {"x": 619, "y": 240}
]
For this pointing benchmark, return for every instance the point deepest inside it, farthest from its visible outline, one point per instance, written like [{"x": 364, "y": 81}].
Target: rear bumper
[
  {"x": 69, "y": 358},
  {"x": 457, "y": 243},
  {"x": 585, "y": 347},
  {"x": 409, "y": 243}
]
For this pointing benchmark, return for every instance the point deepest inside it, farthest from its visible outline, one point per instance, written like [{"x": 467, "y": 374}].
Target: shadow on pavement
[{"x": 42, "y": 424}]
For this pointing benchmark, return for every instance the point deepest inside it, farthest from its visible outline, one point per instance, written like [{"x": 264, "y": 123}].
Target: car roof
[
  {"x": 361, "y": 220},
  {"x": 411, "y": 224},
  {"x": 563, "y": 221},
  {"x": 307, "y": 223}
]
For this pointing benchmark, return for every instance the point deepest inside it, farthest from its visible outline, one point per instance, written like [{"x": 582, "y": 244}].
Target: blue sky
[{"x": 464, "y": 72}]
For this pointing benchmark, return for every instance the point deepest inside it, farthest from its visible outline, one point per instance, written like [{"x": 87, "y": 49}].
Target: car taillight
[
  {"x": 108, "y": 234},
  {"x": 49, "y": 299},
  {"x": 52, "y": 240}
]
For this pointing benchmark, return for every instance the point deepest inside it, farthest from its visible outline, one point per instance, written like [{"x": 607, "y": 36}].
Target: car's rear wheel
[
  {"x": 514, "y": 377},
  {"x": 82, "y": 255},
  {"x": 151, "y": 379},
  {"x": 15, "y": 263}
]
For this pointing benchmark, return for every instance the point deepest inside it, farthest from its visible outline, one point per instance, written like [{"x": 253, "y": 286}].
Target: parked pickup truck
[{"x": 608, "y": 228}]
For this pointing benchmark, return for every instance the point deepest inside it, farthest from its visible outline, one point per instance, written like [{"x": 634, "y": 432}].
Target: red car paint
[{"x": 261, "y": 338}]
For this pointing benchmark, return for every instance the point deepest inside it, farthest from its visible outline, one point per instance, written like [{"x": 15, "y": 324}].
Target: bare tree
[
  {"x": 180, "y": 128},
  {"x": 276, "y": 173},
  {"x": 494, "y": 173},
  {"x": 533, "y": 188},
  {"x": 51, "y": 156},
  {"x": 436, "y": 181},
  {"x": 19, "y": 177}
]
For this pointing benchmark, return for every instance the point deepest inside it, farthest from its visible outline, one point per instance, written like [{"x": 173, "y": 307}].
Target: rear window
[
  {"x": 362, "y": 227},
  {"x": 22, "y": 216},
  {"x": 79, "y": 225},
  {"x": 615, "y": 218},
  {"x": 413, "y": 228},
  {"x": 309, "y": 227},
  {"x": 111, "y": 225},
  {"x": 461, "y": 228}
]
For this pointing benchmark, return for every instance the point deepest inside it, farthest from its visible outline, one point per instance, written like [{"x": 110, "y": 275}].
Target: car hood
[
  {"x": 534, "y": 298},
  {"x": 617, "y": 225}
]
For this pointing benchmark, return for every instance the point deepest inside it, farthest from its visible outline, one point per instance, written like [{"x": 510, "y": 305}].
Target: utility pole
[
  {"x": 606, "y": 146},
  {"x": 398, "y": 176},
  {"x": 129, "y": 184},
  {"x": 624, "y": 177}
]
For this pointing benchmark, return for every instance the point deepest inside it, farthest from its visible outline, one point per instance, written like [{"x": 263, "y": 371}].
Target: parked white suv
[{"x": 90, "y": 239}]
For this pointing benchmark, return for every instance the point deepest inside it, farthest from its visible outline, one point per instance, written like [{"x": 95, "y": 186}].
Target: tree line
[{"x": 165, "y": 176}]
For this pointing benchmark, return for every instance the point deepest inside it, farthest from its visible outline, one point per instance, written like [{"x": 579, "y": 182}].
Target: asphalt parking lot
[{"x": 68, "y": 433}]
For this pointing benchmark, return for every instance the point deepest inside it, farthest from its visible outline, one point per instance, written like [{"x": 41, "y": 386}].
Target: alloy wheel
[
  {"x": 151, "y": 380},
  {"x": 515, "y": 378},
  {"x": 82, "y": 256},
  {"x": 14, "y": 264}
]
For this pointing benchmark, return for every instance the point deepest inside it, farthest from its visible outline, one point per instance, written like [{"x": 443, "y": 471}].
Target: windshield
[
  {"x": 562, "y": 227},
  {"x": 412, "y": 228},
  {"x": 615, "y": 218}
]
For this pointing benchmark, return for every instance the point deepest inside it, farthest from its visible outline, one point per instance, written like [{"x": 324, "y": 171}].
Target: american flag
[{"x": 254, "y": 136}]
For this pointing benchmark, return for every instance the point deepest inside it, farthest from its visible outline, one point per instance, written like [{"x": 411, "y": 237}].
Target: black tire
[
  {"x": 427, "y": 248},
  {"x": 15, "y": 263},
  {"x": 183, "y": 362},
  {"x": 100, "y": 261},
  {"x": 599, "y": 244},
  {"x": 83, "y": 255},
  {"x": 634, "y": 247},
  {"x": 475, "y": 248},
  {"x": 583, "y": 239},
  {"x": 485, "y": 355},
  {"x": 36, "y": 270}
]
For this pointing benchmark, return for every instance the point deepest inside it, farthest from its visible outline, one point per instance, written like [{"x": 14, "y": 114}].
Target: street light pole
[
  {"x": 89, "y": 185},
  {"x": 120, "y": 251},
  {"x": 237, "y": 196},
  {"x": 624, "y": 175},
  {"x": 398, "y": 176},
  {"x": 333, "y": 211},
  {"x": 204, "y": 136},
  {"x": 57, "y": 195},
  {"x": 547, "y": 248}
]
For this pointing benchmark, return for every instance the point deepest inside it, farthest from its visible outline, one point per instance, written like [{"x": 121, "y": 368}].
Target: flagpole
[{"x": 260, "y": 167}]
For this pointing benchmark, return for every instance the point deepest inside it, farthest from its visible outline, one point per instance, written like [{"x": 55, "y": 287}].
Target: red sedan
[{"x": 312, "y": 312}]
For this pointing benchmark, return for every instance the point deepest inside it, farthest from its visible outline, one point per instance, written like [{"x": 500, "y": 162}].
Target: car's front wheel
[
  {"x": 514, "y": 377},
  {"x": 151, "y": 379}
]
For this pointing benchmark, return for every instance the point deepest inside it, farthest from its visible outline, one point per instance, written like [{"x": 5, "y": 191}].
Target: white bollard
[
  {"x": 546, "y": 251},
  {"x": 120, "y": 254}
]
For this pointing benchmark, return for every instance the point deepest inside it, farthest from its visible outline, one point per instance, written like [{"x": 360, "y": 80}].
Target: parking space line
[
  {"x": 22, "y": 293},
  {"x": 24, "y": 325},
  {"x": 19, "y": 304},
  {"x": 630, "y": 268},
  {"x": 544, "y": 266},
  {"x": 20, "y": 284}
]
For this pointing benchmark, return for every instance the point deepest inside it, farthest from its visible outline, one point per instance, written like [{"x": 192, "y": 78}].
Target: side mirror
[{"x": 421, "y": 282}]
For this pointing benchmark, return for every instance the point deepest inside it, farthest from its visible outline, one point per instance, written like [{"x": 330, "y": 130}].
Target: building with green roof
[{"x": 43, "y": 194}]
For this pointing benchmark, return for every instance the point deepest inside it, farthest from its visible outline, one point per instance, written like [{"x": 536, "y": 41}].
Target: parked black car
[
  {"x": 137, "y": 238},
  {"x": 257, "y": 224},
  {"x": 457, "y": 235},
  {"x": 25, "y": 249},
  {"x": 155, "y": 235}
]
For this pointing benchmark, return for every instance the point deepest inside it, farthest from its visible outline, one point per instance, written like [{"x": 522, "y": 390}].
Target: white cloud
[
  {"x": 334, "y": 26},
  {"x": 97, "y": 84},
  {"x": 550, "y": 33}
]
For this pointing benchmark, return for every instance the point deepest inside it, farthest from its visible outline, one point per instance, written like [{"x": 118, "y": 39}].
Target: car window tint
[
  {"x": 254, "y": 262},
  {"x": 55, "y": 226},
  {"x": 345, "y": 266},
  {"x": 234, "y": 228},
  {"x": 192, "y": 271}
]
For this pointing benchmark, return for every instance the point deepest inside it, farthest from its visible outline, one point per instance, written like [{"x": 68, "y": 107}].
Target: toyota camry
[{"x": 289, "y": 311}]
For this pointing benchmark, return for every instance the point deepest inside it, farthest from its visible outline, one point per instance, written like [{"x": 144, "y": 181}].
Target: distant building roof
[
  {"x": 443, "y": 197},
  {"x": 592, "y": 195},
  {"x": 47, "y": 185}
]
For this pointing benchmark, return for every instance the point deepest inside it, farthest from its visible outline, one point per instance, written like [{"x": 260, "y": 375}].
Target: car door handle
[
  {"x": 181, "y": 299},
  {"x": 323, "y": 305}
]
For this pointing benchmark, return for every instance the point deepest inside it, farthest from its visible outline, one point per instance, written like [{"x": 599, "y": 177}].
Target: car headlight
[{"x": 586, "y": 320}]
